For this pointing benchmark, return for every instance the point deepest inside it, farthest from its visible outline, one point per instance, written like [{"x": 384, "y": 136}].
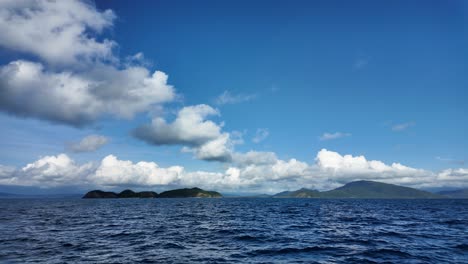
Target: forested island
[
  {"x": 178, "y": 193},
  {"x": 352, "y": 190}
]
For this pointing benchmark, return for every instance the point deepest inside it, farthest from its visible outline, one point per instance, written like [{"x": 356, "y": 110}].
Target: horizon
[{"x": 235, "y": 97}]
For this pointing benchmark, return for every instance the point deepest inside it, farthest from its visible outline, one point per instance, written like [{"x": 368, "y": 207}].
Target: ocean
[{"x": 233, "y": 230}]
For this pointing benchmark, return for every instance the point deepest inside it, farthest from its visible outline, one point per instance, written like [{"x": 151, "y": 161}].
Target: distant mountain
[
  {"x": 363, "y": 190},
  {"x": 193, "y": 192},
  {"x": 457, "y": 194},
  {"x": 301, "y": 193},
  {"x": 375, "y": 190},
  {"x": 179, "y": 193}
]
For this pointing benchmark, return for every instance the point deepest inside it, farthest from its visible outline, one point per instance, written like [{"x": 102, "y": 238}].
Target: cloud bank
[{"x": 250, "y": 171}]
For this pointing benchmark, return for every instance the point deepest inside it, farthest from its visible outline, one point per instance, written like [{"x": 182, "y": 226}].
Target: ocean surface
[{"x": 233, "y": 231}]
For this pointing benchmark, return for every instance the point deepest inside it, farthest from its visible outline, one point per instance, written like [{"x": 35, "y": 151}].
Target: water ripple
[{"x": 233, "y": 230}]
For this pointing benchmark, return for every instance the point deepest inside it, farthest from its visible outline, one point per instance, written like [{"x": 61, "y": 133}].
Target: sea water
[{"x": 233, "y": 230}]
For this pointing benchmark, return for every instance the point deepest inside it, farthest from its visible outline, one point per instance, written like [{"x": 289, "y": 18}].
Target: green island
[
  {"x": 352, "y": 190},
  {"x": 363, "y": 190},
  {"x": 178, "y": 193}
]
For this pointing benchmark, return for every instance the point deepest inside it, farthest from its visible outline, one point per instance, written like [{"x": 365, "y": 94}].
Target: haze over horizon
[{"x": 233, "y": 96}]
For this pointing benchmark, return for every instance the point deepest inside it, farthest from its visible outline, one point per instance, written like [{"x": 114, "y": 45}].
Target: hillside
[
  {"x": 301, "y": 193},
  {"x": 376, "y": 190},
  {"x": 363, "y": 190},
  {"x": 186, "y": 193}
]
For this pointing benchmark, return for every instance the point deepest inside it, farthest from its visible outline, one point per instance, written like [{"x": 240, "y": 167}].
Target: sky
[{"x": 236, "y": 96}]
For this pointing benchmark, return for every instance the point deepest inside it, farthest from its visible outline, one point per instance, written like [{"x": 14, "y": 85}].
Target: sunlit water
[{"x": 233, "y": 230}]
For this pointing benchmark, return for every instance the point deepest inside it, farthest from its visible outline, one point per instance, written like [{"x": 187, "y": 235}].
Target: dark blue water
[{"x": 233, "y": 230}]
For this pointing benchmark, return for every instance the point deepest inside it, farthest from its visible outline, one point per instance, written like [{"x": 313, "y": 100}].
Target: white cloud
[
  {"x": 189, "y": 128},
  {"x": 336, "y": 135},
  {"x": 219, "y": 149},
  {"x": 50, "y": 171},
  {"x": 59, "y": 32},
  {"x": 402, "y": 126},
  {"x": 192, "y": 129},
  {"x": 78, "y": 79},
  {"x": 347, "y": 167},
  {"x": 78, "y": 98},
  {"x": 254, "y": 157},
  {"x": 260, "y": 135},
  {"x": 251, "y": 171},
  {"x": 114, "y": 172},
  {"x": 89, "y": 143},
  {"x": 228, "y": 98}
]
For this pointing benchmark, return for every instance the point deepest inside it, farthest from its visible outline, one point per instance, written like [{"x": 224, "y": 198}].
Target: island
[
  {"x": 301, "y": 193},
  {"x": 363, "y": 190},
  {"x": 178, "y": 193},
  {"x": 352, "y": 190}
]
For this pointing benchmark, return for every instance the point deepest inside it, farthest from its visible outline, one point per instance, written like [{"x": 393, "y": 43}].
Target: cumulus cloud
[
  {"x": 450, "y": 178},
  {"x": 260, "y": 135},
  {"x": 27, "y": 89},
  {"x": 228, "y": 98},
  {"x": 89, "y": 143},
  {"x": 191, "y": 129},
  {"x": 58, "y": 32},
  {"x": 50, "y": 171},
  {"x": 336, "y": 135},
  {"x": 402, "y": 126},
  {"x": 78, "y": 79},
  {"x": 251, "y": 171},
  {"x": 344, "y": 168},
  {"x": 114, "y": 172}
]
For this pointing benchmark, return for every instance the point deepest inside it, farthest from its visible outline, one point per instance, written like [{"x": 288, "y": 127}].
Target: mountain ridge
[{"x": 363, "y": 190}]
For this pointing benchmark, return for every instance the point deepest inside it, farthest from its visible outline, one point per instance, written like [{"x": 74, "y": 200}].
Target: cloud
[
  {"x": 50, "y": 171},
  {"x": 254, "y": 157},
  {"x": 251, "y": 171},
  {"x": 114, "y": 172},
  {"x": 453, "y": 161},
  {"x": 77, "y": 78},
  {"x": 360, "y": 63},
  {"x": 89, "y": 143},
  {"x": 27, "y": 89},
  {"x": 228, "y": 98},
  {"x": 260, "y": 135},
  {"x": 402, "y": 126},
  {"x": 191, "y": 129},
  {"x": 348, "y": 167},
  {"x": 450, "y": 178},
  {"x": 219, "y": 149},
  {"x": 336, "y": 135},
  {"x": 59, "y": 32}
]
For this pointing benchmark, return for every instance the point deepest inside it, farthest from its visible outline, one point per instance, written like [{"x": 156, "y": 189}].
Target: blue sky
[{"x": 385, "y": 80}]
